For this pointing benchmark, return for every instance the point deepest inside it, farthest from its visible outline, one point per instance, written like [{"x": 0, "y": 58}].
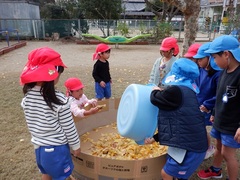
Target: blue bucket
[{"x": 136, "y": 116}]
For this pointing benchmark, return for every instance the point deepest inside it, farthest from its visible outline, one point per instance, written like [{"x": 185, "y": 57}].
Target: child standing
[
  {"x": 169, "y": 50},
  {"x": 207, "y": 83},
  {"x": 101, "y": 72},
  {"x": 226, "y": 122},
  {"x": 180, "y": 123},
  {"x": 48, "y": 114},
  {"x": 78, "y": 99}
]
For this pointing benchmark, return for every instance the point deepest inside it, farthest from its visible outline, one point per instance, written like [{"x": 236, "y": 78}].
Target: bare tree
[
  {"x": 162, "y": 10},
  {"x": 190, "y": 10}
]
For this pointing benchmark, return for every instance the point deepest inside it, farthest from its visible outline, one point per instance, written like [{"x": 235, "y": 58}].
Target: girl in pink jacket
[{"x": 78, "y": 100}]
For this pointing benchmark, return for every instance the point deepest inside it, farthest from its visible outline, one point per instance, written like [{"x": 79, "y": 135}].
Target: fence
[{"x": 41, "y": 29}]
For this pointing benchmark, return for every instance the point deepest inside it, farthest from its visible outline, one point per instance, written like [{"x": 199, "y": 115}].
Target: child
[
  {"x": 207, "y": 83},
  {"x": 101, "y": 72},
  {"x": 48, "y": 114},
  {"x": 226, "y": 122},
  {"x": 180, "y": 123},
  {"x": 79, "y": 100},
  {"x": 169, "y": 50},
  {"x": 192, "y": 51}
]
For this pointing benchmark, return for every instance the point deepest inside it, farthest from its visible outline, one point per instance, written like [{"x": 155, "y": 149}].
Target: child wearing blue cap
[
  {"x": 226, "y": 122},
  {"x": 180, "y": 123},
  {"x": 207, "y": 83}
]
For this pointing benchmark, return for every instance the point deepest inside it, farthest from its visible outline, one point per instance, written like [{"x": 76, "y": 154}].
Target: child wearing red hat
[
  {"x": 101, "y": 72},
  {"x": 192, "y": 51},
  {"x": 79, "y": 100},
  {"x": 169, "y": 50},
  {"x": 48, "y": 114}
]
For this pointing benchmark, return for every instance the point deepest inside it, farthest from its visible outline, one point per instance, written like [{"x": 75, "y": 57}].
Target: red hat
[
  {"x": 192, "y": 50},
  {"x": 73, "y": 84},
  {"x": 170, "y": 43},
  {"x": 41, "y": 66},
  {"x": 100, "y": 49}
]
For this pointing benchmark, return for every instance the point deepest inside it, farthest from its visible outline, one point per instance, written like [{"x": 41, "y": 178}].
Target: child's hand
[
  {"x": 157, "y": 88},
  {"x": 94, "y": 110},
  {"x": 211, "y": 119},
  {"x": 93, "y": 102},
  {"x": 77, "y": 152},
  {"x": 204, "y": 109},
  {"x": 237, "y": 135},
  {"x": 149, "y": 140},
  {"x": 91, "y": 111},
  {"x": 102, "y": 84}
]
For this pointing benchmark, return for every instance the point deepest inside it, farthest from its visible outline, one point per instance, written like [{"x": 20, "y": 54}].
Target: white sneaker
[{"x": 210, "y": 152}]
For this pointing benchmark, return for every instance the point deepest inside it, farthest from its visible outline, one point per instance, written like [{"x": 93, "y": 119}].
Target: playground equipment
[
  {"x": 11, "y": 47},
  {"x": 6, "y": 33},
  {"x": 116, "y": 39}
]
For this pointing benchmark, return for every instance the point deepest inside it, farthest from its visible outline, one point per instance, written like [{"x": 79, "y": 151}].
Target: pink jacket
[{"x": 78, "y": 105}]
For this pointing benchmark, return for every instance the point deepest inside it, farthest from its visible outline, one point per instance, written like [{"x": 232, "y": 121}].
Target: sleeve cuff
[{"x": 76, "y": 146}]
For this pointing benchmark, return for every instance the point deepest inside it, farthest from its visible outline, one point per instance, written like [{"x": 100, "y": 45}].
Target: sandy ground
[{"x": 128, "y": 64}]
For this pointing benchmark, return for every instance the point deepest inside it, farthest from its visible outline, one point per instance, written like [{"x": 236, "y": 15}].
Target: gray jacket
[{"x": 155, "y": 77}]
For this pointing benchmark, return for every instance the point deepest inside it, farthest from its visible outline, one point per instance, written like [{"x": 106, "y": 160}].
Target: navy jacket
[{"x": 180, "y": 123}]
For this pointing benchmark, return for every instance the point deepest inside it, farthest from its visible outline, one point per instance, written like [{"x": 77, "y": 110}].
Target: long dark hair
[{"x": 47, "y": 90}]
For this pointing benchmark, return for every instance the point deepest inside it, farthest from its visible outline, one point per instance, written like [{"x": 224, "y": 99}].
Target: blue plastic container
[{"x": 136, "y": 116}]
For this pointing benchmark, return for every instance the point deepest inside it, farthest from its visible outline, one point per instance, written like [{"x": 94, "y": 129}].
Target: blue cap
[
  {"x": 183, "y": 72},
  {"x": 202, "y": 54},
  {"x": 201, "y": 51},
  {"x": 225, "y": 43}
]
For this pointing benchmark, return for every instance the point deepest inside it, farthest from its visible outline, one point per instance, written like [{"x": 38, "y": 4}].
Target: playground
[
  {"x": 10, "y": 45},
  {"x": 128, "y": 64}
]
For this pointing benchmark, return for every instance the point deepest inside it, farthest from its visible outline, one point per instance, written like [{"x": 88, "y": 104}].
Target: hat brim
[
  {"x": 236, "y": 54},
  {"x": 214, "y": 65},
  {"x": 211, "y": 51},
  {"x": 199, "y": 56},
  {"x": 188, "y": 55},
  {"x": 77, "y": 88},
  {"x": 164, "y": 49},
  {"x": 46, "y": 72}
]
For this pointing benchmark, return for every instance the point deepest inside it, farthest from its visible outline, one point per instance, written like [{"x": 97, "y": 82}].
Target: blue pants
[
  {"x": 55, "y": 161},
  {"x": 103, "y": 92},
  {"x": 184, "y": 170}
]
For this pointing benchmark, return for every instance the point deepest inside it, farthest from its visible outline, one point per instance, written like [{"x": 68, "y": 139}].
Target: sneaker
[
  {"x": 209, "y": 173},
  {"x": 210, "y": 152}
]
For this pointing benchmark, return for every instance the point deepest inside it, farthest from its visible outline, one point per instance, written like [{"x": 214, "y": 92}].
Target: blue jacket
[
  {"x": 182, "y": 126},
  {"x": 208, "y": 87}
]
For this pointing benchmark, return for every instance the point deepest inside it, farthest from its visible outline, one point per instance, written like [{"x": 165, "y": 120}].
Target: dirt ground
[{"x": 128, "y": 64}]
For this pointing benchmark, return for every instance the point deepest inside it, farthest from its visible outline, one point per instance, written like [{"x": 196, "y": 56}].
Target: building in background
[
  {"x": 135, "y": 9},
  {"x": 19, "y": 16},
  {"x": 220, "y": 13}
]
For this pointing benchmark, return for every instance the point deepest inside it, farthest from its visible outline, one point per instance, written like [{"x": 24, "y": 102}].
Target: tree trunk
[
  {"x": 190, "y": 30},
  {"x": 190, "y": 10}
]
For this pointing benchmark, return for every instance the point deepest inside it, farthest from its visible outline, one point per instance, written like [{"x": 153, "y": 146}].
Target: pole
[
  {"x": 223, "y": 14},
  {"x": 7, "y": 38}
]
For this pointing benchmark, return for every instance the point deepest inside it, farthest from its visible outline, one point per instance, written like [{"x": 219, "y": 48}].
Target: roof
[
  {"x": 145, "y": 13},
  {"x": 129, "y": 6},
  {"x": 138, "y": 1}
]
